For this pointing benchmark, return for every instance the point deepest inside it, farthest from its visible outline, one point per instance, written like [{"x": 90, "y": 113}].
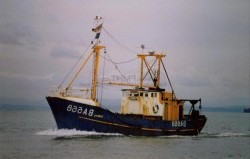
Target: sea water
[{"x": 32, "y": 133}]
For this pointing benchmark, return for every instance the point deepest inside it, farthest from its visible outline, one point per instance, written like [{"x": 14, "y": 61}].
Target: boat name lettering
[
  {"x": 80, "y": 110},
  {"x": 98, "y": 116},
  {"x": 179, "y": 124}
]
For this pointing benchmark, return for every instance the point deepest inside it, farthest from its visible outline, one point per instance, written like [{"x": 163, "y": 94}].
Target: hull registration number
[
  {"x": 179, "y": 124},
  {"x": 80, "y": 110}
]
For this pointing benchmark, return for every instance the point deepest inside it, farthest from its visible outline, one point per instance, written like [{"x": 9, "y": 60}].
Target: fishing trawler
[{"x": 146, "y": 109}]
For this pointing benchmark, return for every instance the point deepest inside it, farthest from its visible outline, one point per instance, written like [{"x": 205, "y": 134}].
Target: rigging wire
[
  {"x": 117, "y": 41},
  {"x": 109, "y": 58},
  {"x": 115, "y": 65},
  {"x": 74, "y": 66},
  {"x": 118, "y": 63},
  {"x": 170, "y": 84}
]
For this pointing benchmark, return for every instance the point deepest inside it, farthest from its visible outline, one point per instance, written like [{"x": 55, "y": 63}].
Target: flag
[
  {"x": 97, "y": 35},
  {"x": 97, "y": 29}
]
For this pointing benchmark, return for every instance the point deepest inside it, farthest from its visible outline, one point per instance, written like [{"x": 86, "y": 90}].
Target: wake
[
  {"x": 78, "y": 133},
  {"x": 72, "y": 133}
]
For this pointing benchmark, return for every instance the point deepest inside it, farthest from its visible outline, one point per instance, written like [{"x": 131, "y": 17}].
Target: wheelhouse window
[
  {"x": 153, "y": 94},
  {"x": 141, "y": 94}
]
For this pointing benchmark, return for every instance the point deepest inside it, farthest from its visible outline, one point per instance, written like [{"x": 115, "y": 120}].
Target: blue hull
[{"x": 73, "y": 115}]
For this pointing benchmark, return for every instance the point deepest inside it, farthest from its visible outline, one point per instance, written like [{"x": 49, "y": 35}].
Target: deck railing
[{"x": 69, "y": 92}]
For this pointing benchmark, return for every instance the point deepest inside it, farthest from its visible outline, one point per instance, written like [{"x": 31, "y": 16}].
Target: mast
[
  {"x": 155, "y": 78},
  {"x": 96, "y": 59},
  {"x": 97, "y": 50},
  {"x": 141, "y": 78}
]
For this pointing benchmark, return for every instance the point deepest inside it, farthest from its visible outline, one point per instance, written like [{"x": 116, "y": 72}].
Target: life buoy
[{"x": 155, "y": 108}]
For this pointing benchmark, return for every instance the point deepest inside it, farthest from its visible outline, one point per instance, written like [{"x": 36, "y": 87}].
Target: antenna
[
  {"x": 142, "y": 47},
  {"x": 97, "y": 20},
  {"x": 97, "y": 29}
]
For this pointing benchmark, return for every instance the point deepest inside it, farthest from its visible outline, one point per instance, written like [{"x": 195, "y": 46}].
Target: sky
[{"x": 207, "y": 45}]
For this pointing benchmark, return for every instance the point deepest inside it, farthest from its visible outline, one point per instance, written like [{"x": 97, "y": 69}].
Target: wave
[
  {"x": 225, "y": 134},
  {"x": 72, "y": 133},
  {"x": 213, "y": 135}
]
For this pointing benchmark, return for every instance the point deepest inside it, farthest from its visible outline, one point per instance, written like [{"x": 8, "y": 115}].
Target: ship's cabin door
[{"x": 180, "y": 112}]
